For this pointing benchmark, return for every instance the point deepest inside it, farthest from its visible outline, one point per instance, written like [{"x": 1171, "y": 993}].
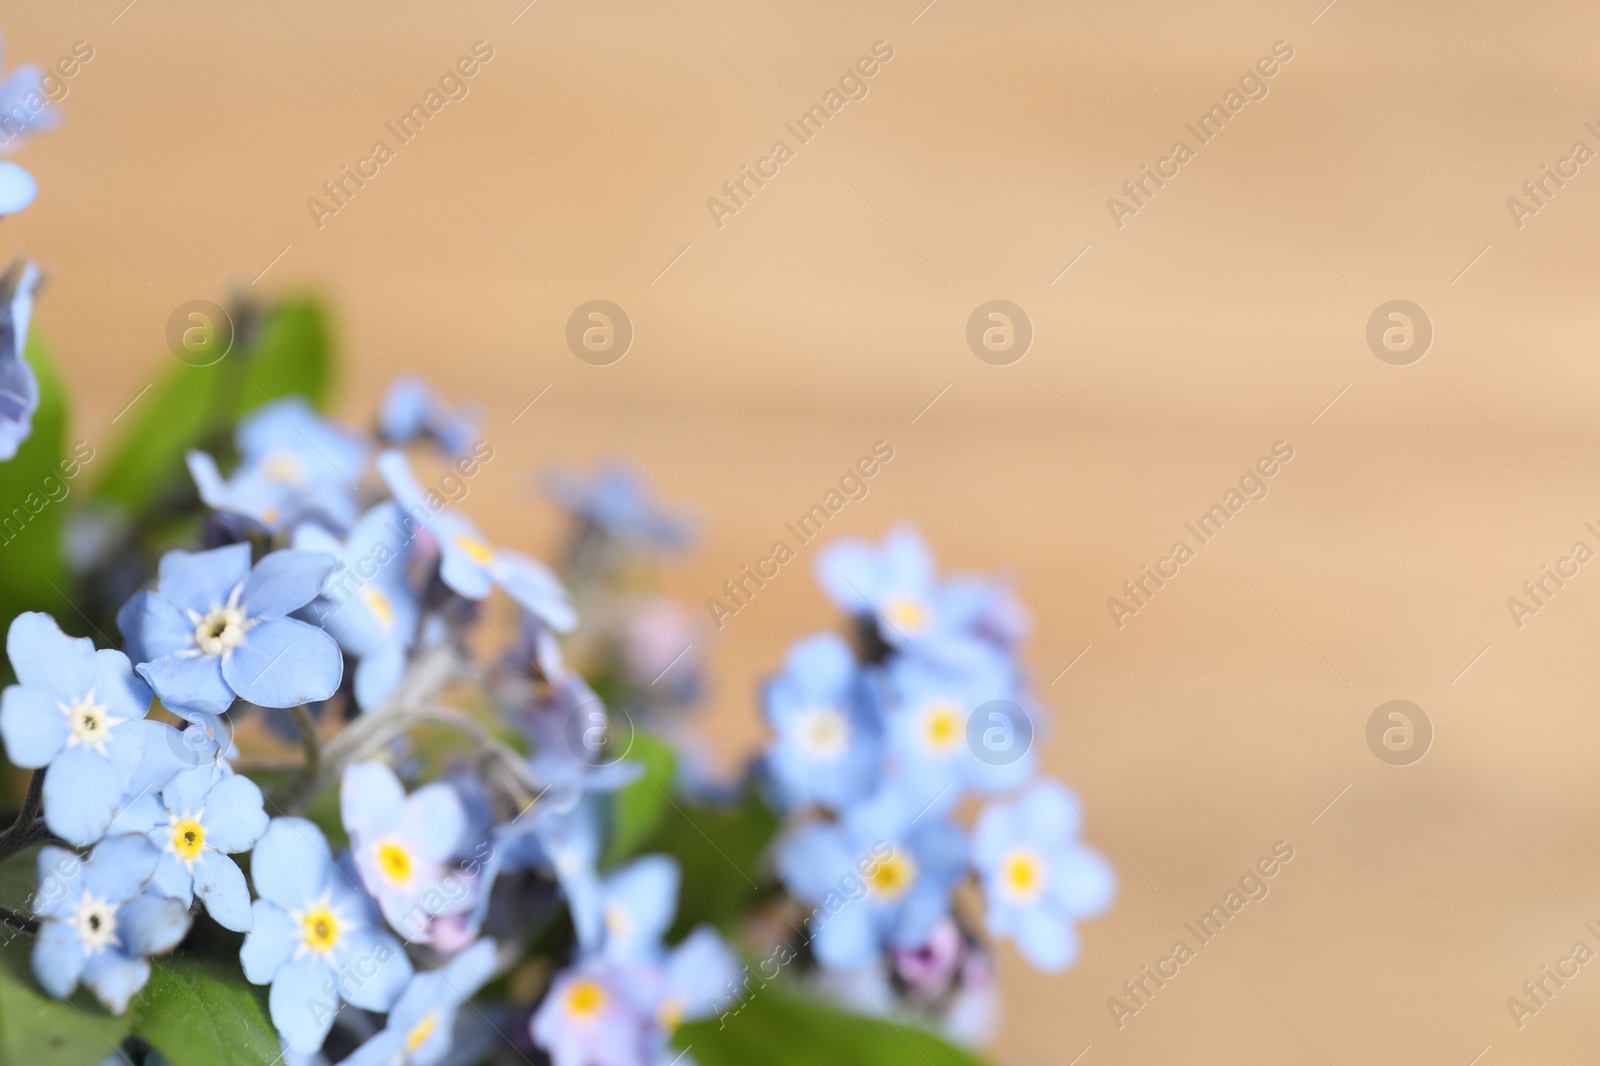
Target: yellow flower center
[
  {"x": 394, "y": 861},
  {"x": 907, "y": 614},
  {"x": 379, "y": 605},
  {"x": 941, "y": 727},
  {"x": 585, "y": 999},
  {"x": 1022, "y": 874},
  {"x": 283, "y": 467},
  {"x": 892, "y": 877},
  {"x": 320, "y": 929},
  {"x": 420, "y": 1032},
  {"x": 670, "y": 1014},
  {"x": 477, "y": 549},
  {"x": 188, "y": 839}
]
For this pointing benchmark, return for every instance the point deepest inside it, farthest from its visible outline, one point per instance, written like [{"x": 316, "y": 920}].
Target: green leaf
[
  {"x": 720, "y": 851},
  {"x": 201, "y": 1012},
  {"x": 291, "y": 357},
  {"x": 779, "y": 1028},
  {"x": 197, "y": 406},
  {"x": 37, "y": 1030},
  {"x": 30, "y": 520},
  {"x": 637, "y": 809}
]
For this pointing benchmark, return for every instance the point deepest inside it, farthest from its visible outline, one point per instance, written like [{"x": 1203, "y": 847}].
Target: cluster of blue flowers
[
  {"x": 878, "y": 741},
  {"x": 343, "y": 582}
]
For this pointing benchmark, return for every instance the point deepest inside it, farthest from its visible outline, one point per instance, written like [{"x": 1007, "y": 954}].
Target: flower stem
[{"x": 27, "y": 829}]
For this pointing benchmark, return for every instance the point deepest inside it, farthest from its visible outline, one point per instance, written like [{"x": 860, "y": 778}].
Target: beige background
[{"x": 830, "y": 311}]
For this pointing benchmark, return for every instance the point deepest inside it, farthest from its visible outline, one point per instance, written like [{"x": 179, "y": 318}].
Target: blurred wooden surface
[{"x": 830, "y": 310}]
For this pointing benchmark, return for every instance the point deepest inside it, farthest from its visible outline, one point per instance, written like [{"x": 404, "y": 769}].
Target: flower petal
[
  {"x": 115, "y": 978},
  {"x": 285, "y": 581},
  {"x": 291, "y": 863},
  {"x": 17, "y": 188},
  {"x": 32, "y": 726},
  {"x": 234, "y": 818},
  {"x": 119, "y": 867},
  {"x": 364, "y": 950},
  {"x": 284, "y": 663},
  {"x": 303, "y": 1003},
  {"x": 152, "y": 627},
  {"x": 532, "y": 585},
  {"x": 220, "y": 885},
  {"x": 58, "y": 958},
  {"x": 81, "y": 793},
  {"x": 203, "y": 581},
  {"x": 435, "y": 820},
  {"x": 150, "y": 924},
  {"x": 371, "y": 798},
  {"x": 189, "y": 682},
  {"x": 117, "y": 687},
  {"x": 271, "y": 940},
  {"x": 1046, "y": 940},
  {"x": 46, "y": 658}
]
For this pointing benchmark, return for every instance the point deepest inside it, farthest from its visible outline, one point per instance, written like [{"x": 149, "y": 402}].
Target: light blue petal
[
  {"x": 172, "y": 877},
  {"x": 271, "y": 940},
  {"x": 1049, "y": 814},
  {"x": 377, "y": 675},
  {"x": 385, "y": 1049},
  {"x": 203, "y": 581},
  {"x": 115, "y": 978},
  {"x": 43, "y": 657},
  {"x": 303, "y": 1002},
  {"x": 189, "y": 682},
  {"x": 59, "y": 870},
  {"x": 119, "y": 867},
  {"x": 285, "y": 581},
  {"x": 81, "y": 793},
  {"x": 457, "y": 569},
  {"x": 1082, "y": 882},
  {"x": 152, "y": 627},
  {"x": 363, "y": 950},
  {"x": 32, "y": 726},
  {"x": 847, "y": 940},
  {"x": 371, "y": 799},
  {"x": 811, "y": 861},
  {"x": 17, "y": 188},
  {"x": 699, "y": 971},
  {"x": 185, "y": 794},
  {"x": 291, "y": 864},
  {"x": 284, "y": 663},
  {"x": 141, "y": 814},
  {"x": 471, "y": 969},
  {"x": 58, "y": 958},
  {"x": 150, "y": 924},
  {"x": 822, "y": 665},
  {"x": 117, "y": 687},
  {"x": 641, "y": 900},
  {"x": 150, "y": 753},
  {"x": 848, "y": 572},
  {"x": 435, "y": 821},
  {"x": 234, "y": 816},
  {"x": 1046, "y": 940},
  {"x": 531, "y": 584},
  {"x": 220, "y": 885}
]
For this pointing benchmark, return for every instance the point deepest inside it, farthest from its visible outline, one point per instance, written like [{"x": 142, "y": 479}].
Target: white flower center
[
  {"x": 220, "y": 631},
  {"x": 95, "y": 922},
  {"x": 824, "y": 733},
  {"x": 88, "y": 722}
]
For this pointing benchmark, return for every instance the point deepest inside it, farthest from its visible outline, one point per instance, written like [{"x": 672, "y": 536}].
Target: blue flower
[
  {"x": 695, "y": 980},
  {"x": 315, "y": 939},
  {"x": 879, "y": 879},
  {"x": 931, "y": 734},
  {"x": 26, "y": 108},
  {"x": 97, "y": 925},
  {"x": 421, "y": 1023},
  {"x": 201, "y": 817},
  {"x": 19, "y": 387},
  {"x": 80, "y": 712},
  {"x": 569, "y": 728},
  {"x": 617, "y": 501},
  {"x": 1038, "y": 879},
  {"x": 367, "y": 603},
  {"x": 215, "y": 628},
  {"x": 402, "y": 845},
  {"x": 594, "y": 1015},
  {"x": 294, "y": 465},
  {"x": 412, "y": 409},
  {"x": 467, "y": 563},
  {"x": 826, "y": 750},
  {"x": 637, "y": 905},
  {"x": 896, "y": 586}
]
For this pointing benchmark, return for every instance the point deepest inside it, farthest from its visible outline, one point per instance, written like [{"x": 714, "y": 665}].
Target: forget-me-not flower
[
  {"x": 637, "y": 905},
  {"x": 593, "y": 1015},
  {"x": 26, "y": 107},
  {"x": 617, "y": 501},
  {"x": 931, "y": 733},
  {"x": 19, "y": 386},
  {"x": 215, "y": 628},
  {"x": 81, "y": 713},
  {"x": 881, "y": 877},
  {"x": 422, "y": 1021},
  {"x": 827, "y": 747},
  {"x": 316, "y": 939},
  {"x": 97, "y": 925},
  {"x": 468, "y": 564},
  {"x": 1038, "y": 878},
  {"x": 202, "y": 816},
  {"x": 403, "y": 844},
  {"x": 412, "y": 410},
  {"x": 368, "y": 603}
]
